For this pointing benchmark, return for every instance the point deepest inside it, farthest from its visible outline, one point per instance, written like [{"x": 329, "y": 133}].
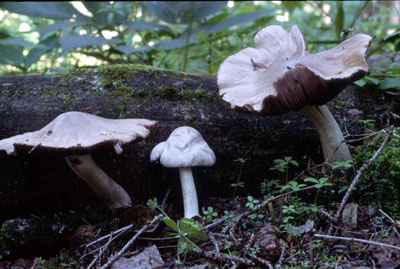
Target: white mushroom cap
[
  {"x": 279, "y": 75},
  {"x": 184, "y": 147},
  {"x": 73, "y": 130}
]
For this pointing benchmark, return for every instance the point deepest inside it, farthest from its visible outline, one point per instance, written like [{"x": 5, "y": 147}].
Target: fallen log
[{"x": 174, "y": 99}]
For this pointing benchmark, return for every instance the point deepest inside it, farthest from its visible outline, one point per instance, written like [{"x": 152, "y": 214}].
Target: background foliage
[{"x": 188, "y": 36}]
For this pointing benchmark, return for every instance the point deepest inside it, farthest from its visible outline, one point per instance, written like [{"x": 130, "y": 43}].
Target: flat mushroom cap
[
  {"x": 279, "y": 75},
  {"x": 184, "y": 147},
  {"x": 72, "y": 131}
]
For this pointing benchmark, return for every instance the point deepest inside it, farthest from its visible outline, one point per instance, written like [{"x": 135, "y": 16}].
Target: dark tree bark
[{"x": 27, "y": 103}]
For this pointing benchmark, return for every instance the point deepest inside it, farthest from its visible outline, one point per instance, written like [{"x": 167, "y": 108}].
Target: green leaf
[
  {"x": 371, "y": 80},
  {"x": 360, "y": 83},
  {"x": 72, "y": 42},
  {"x": 239, "y": 19},
  {"x": 11, "y": 55},
  {"x": 16, "y": 41},
  {"x": 171, "y": 223},
  {"x": 48, "y": 30},
  {"x": 339, "y": 20},
  {"x": 292, "y": 5},
  {"x": 184, "y": 12},
  {"x": 41, "y": 48},
  {"x": 182, "y": 246},
  {"x": 311, "y": 179},
  {"x": 55, "y": 10},
  {"x": 147, "y": 26},
  {"x": 389, "y": 83}
]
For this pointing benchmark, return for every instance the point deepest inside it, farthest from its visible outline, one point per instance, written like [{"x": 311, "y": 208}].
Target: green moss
[
  {"x": 199, "y": 94},
  {"x": 165, "y": 92},
  {"x": 380, "y": 184}
]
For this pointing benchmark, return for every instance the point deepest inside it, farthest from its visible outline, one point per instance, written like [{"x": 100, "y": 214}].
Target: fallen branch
[
  {"x": 357, "y": 178},
  {"x": 130, "y": 242},
  {"x": 357, "y": 240}
]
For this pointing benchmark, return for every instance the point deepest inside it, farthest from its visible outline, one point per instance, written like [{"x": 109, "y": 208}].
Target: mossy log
[{"x": 174, "y": 99}]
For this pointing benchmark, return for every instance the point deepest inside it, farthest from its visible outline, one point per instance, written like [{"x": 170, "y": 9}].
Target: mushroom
[
  {"x": 74, "y": 133},
  {"x": 184, "y": 148},
  {"x": 279, "y": 75}
]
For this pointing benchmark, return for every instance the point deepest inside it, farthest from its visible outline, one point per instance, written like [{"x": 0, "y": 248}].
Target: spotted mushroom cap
[
  {"x": 184, "y": 147},
  {"x": 279, "y": 75},
  {"x": 71, "y": 131}
]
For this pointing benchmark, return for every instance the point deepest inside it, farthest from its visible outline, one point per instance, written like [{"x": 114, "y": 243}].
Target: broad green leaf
[
  {"x": 72, "y": 42},
  {"x": 48, "y": 30},
  {"x": 371, "y": 80},
  {"x": 184, "y": 12},
  {"x": 16, "y": 41},
  {"x": 99, "y": 17},
  {"x": 55, "y": 10},
  {"x": 311, "y": 179},
  {"x": 11, "y": 55},
  {"x": 147, "y": 26},
  {"x": 389, "y": 83},
  {"x": 41, "y": 48},
  {"x": 360, "y": 83},
  {"x": 339, "y": 20},
  {"x": 171, "y": 223},
  {"x": 239, "y": 19},
  {"x": 183, "y": 246},
  {"x": 128, "y": 50},
  {"x": 177, "y": 43}
]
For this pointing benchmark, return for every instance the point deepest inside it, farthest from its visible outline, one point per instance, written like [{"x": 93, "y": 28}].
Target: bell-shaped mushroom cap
[
  {"x": 81, "y": 131},
  {"x": 184, "y": 147},
  {"x": 279, "y": 75}
]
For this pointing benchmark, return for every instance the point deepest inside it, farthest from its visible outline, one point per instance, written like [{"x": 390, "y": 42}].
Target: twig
[
  {"x": 121, "y": 230},
  {"x": 392, "y": 221},
  {"x": 357, "y": 178},
  {"x": 282, "y": 256},
  {"x": 260, "y": 260},
  {"x": 357, "y": 240},
  {"x": 214, "y": 241},
  {"x": 130, "y": 242},
  {"x": 326, "y": 215},
  {"x": 223, "y": 257}
]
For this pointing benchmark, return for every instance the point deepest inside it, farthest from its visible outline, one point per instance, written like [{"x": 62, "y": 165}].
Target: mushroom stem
[
  {"x": 109, "y": 192},
  {"x": 333, "y": 144},
  {"x": 190, "y": 203}
]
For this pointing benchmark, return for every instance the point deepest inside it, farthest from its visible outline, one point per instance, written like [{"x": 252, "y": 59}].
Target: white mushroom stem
[
  {"x": 109, "y": 192},
  {"x": 333, "y": 144},
  {"x": 190, "y": 203}
]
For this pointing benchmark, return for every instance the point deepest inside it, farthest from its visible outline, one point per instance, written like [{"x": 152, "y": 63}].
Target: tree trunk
[{"x": 28, "y": 103}]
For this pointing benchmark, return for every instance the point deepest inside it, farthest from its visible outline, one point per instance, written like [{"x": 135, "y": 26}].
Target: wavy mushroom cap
[
  {"x": 279, "y": 75},
  {"x": 184, "y": 147},
  {"x": 74, "y": 130}
]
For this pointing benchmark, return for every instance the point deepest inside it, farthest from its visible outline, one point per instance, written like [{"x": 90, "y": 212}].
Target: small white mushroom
[
  {"x": 76, "y": 132},
  {"x": 184, "y": 148},
  {"x": 279, "y": 75}
]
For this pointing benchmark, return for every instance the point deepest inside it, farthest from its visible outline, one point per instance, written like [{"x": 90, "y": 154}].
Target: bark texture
[{"x": 28, "y": 103}]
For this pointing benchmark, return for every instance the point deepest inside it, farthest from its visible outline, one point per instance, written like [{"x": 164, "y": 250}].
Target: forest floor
[{"x": 285, "y": 229}]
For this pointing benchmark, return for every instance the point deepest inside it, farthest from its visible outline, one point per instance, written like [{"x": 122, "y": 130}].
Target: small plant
[
  {"x": 369, "y": 125},
  {"x": 251, "y": 202},
  {"x": 210, "y": 214},
  {"x": 293, "y": 186},
  {"x": 282, "y": 165},
  {"x": 319, "y": 183},
  {"x": 184, "y": 227},
  {"x": 255, "y": 250},
  {"x": 342, "y": 165},
  {"x": 239, "y": 184}
]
